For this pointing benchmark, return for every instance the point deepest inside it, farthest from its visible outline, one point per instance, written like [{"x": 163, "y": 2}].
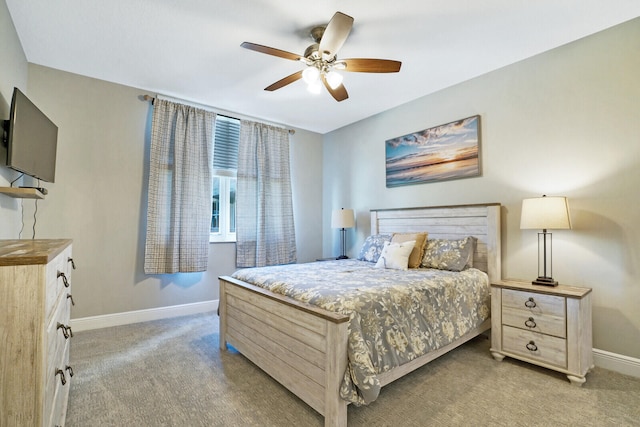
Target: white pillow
[{"x": 395, "y": 255}]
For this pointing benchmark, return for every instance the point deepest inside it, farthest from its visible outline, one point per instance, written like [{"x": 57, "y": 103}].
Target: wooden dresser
[
  {"x": 35, "y": 302},
  {"x": 549, "y": 326}
]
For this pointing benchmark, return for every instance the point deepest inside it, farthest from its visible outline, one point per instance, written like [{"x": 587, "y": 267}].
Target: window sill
[{"x": 222, "y": 241}]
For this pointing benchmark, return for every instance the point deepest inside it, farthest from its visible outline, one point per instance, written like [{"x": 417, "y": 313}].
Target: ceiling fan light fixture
[
  {"x": 334, "y": 79},
  {"x": 311, "y": 75},
  {"x": 315, "y": 87},
  {"x": 321, "y": 60}
]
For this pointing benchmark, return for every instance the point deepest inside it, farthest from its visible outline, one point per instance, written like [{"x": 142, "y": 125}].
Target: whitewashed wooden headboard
[{"x": 450, "y": 222}]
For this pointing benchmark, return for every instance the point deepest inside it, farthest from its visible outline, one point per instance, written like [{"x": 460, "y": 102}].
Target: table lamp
[
  {"x": 545, "y": 213},
  {"x": 343, "y": 219}
]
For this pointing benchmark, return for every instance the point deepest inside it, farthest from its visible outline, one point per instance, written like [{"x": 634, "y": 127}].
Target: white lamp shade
[
  {"x": 342, "y": 218},
  {"x": 334, "y": 79},
  {"x": 311, "y": 75},
  {"x": 545, "y": 213}
]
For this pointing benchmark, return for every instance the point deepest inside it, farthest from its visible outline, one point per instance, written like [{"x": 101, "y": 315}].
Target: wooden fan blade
[
  {"x": 364, "y": 65},
  {"x": 283, "y": 82},
  {"x": 271, "y": 51},
  {"x": 339, "y": 93},
  {"x": 335, "y": 34}
]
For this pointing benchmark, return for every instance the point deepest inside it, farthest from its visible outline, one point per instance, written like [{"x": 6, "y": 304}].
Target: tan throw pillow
[{"x": 418, "y": 250}]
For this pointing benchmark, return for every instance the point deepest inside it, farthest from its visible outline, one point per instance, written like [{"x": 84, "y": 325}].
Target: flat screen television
[{"x": 32, "y": 139}]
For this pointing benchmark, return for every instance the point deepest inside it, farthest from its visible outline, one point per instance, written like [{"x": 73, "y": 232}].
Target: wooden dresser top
[{"x": 26, "y": 252}]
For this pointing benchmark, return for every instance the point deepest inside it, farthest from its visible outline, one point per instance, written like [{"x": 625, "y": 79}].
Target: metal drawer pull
[
  {"x": 530, "y": 303},
  {"x": 65, "y": 332},
  {"x": 73, "y": 264},
  {"x": 70, "y": 369},
  {"x": 531, "y": 346},
  {"x": 60, "y": 372},
  {"x": 530, "y": 323},
  {"x": 64, "y": 279},
  {"x": 71, "y": 298}
]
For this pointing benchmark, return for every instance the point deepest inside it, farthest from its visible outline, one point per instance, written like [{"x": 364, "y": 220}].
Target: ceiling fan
[{"x": 321, "y": 60}]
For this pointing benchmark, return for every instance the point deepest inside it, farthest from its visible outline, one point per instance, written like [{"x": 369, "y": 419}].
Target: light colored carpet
[{"x": 171, "y": 373}]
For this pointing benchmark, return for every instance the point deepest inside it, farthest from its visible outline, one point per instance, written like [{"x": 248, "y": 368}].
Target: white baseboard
[
  {"x": 117, "y": 319},
  {"x": 617, "y": 362}
]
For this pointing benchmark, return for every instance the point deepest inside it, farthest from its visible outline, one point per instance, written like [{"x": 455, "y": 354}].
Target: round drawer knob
[
  {"x": 530, "y": 303},
  {"x": 531, "y": 346}
]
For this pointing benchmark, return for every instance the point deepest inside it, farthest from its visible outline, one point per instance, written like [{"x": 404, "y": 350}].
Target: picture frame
[{"x": 444, "y": 152}]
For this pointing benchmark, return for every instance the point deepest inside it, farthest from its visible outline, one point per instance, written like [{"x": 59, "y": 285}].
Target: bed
[{"x": 305, "y": 347}]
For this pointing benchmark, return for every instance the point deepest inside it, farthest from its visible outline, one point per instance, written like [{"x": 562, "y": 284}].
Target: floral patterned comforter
[{"x": 395, "y": 316}]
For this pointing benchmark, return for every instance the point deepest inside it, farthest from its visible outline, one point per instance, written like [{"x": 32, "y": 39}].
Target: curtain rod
[{"x": 152, "y": 99}]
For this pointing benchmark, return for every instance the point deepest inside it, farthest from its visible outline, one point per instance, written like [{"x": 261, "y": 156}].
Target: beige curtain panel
[
  {"x": 265, "y": 231},
  {"x": 180, "y": 180}
]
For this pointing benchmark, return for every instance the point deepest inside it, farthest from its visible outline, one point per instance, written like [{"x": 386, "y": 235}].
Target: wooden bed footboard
[{"x": 302, "y": 347}]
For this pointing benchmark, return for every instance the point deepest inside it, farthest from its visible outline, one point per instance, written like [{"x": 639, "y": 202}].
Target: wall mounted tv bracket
[{"x": 5, "y": 132}]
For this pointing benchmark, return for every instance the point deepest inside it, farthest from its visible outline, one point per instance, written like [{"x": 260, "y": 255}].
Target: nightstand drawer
[
  {"x": 535, "y": 346},
  {"x": 542, "y": 323},
  {"x": 534, "y": 302}
]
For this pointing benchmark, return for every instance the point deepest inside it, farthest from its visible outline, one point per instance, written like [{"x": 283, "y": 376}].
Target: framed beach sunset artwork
[{"x": 449, "y": 151}]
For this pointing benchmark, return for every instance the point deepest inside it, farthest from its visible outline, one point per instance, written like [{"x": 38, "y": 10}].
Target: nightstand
[{"x": 546, "y": 326}]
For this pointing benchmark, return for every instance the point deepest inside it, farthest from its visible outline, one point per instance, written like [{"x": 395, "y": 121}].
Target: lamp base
[
  {"x": 545, "y": 281},
  {"x": 343, "y": 257}
]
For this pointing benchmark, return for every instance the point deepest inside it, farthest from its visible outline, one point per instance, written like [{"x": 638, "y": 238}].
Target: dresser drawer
[
  {"x": 543, "y": 323},
  {"x": 55, "y": 283},
  {"x": 58, "y": 331},
  {"x": 60, "y": 395},
  {"x": 534, "y": 303},
  {"x": 57, "y": 354},
  {"x": 533, "y": 345}
]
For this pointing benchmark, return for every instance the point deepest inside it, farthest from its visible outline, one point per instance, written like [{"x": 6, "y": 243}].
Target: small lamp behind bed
[
  {"x": 545, "y": 213},
  {"x": 343, "y": 219}
]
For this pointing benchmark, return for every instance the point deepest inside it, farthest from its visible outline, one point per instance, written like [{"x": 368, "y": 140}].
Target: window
[{"x": 225, "y": 165}]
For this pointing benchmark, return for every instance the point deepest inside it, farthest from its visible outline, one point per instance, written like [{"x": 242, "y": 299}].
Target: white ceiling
[{"x": 190, "y": 49}]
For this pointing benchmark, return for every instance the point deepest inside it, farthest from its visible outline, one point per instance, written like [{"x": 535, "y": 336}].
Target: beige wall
[
  {"x": 566, "y": 122},
  {"x": 13, "y": 73},
  {"x": 99, "y": 197}
]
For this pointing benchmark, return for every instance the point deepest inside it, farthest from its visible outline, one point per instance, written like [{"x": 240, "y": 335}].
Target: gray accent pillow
[
  {"x": 452, "y": 255},
  {"x": 372, "y": 247}
]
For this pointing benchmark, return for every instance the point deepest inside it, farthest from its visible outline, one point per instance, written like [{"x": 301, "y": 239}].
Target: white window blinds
[{"x": 225, "y": 149}]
